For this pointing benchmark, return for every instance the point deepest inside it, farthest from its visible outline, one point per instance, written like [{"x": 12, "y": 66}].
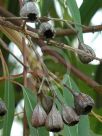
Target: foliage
[{"x": 12, "y": 87}]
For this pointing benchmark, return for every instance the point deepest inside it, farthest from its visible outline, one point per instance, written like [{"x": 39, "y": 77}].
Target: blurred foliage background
[{"x": 69, "y": 11}]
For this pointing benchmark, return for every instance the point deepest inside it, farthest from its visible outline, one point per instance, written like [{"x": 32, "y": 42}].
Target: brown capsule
[
  {"x": 47, "y": 103},
  {"x": 54, "y": 122},
  {"x": 46, "y": 30},
  {"x": 38, "y": 116},
  {"x": 83, "y": 103},
  {"x": 84, "y": 58},
  {"x": 3, "y": 109},
  {"x": 30, "y": 10},
  {"x": 69, "y": 116}
]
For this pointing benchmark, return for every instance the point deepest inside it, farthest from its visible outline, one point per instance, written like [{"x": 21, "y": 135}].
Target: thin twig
[
  {"x": 95, "y": 115},
  {"x": 64, "y": 46},
  {"x": 13, "y": 18},
  {"x": 17, "y": 114},
  {"x": 10, "y": 77},
  {"x": 3, "y": 44},
  {"x": 25, "y": 84},
  {"x": 18, "y": 29},
  {"x": 55, "y": 78}
]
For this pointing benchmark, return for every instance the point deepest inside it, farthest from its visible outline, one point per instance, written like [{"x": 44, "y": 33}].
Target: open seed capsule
[
  {"x": 38, "y": 116},
  {"x": 46, "y": 30},
  {"x": 69, "y": 116},
  {"x": 85, "y": 58},
  {"x": 83, "y": 103},
  {"x": 54, "y": 122},
  {"x": 30, "y": 10}
]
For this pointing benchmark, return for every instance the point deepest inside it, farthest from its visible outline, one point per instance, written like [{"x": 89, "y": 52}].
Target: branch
[
  {"x": 69, "y": 66},
  {"x": 60, "y": 32},
  {"x": 88, "y": 29},
  {"x": 3, "y": 44}
]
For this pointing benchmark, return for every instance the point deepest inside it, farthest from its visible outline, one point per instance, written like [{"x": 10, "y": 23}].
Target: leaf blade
[
  {"x": 10, "y": 101},
  {"x": 76, "y": 17}
]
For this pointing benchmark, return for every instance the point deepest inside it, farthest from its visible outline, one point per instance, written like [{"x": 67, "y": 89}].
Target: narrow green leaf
[
  {"x": 89, "y": 8},
  {"x": 10, "y": 102},
  {"x": 83, "y": 126},
  {"x": 76, "y": 16}
]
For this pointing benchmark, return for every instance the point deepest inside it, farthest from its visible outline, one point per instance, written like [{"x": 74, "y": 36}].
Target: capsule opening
[
  {"x": 48, "y": 34},
  {"x": 32, "y": 16}
]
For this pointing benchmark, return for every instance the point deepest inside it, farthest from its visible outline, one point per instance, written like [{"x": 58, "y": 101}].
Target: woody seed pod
[
  {"x": 47, "y": 103},
  {"x": 46, "y": 30},
  {"x": 30, "y": 10},
  {"x": 38, "y": 116},
  {"x": 84, "y": 58},
  {"x": 83, "y": 103},
  {"x": 69, "y": 116},
  {"x": 54, "y": 122},
  {"x": 3, "y": 108}
]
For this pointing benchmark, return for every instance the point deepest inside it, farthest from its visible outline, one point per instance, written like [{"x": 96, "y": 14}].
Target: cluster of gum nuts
[
  {"x": 47, "y": 114},
  {"x": 31, "y": 11}
]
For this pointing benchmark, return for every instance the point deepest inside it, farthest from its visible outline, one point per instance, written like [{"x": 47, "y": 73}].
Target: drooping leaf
[
  {"x": 10, "y": 103},
  {"x": 76, "y": 16},
  {"x": 89, "y": 8}
]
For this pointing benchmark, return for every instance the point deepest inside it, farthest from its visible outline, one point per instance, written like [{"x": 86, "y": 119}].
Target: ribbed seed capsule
[
  {"x": 46, "y": 30},
  {"x": 3, "y": 108},
  {"x": 30, "y": 10},
  {"x": 69, "y": 116},
  {"x": 83, "y": 103},
  {"x": 84, "y": 58},
  {"x": 47, "y": 103},
  {"x": 38, "y": 116},
  {"x": 54, "y": 122}
]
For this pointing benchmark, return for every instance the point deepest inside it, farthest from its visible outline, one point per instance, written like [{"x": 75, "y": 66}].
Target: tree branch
[
  {"x": 87, "y": 29},
  {"x": 69, "y": 66}
]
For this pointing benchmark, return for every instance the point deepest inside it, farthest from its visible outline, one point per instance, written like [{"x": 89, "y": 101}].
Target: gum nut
[
  {"x": 30, "y": 10},
  {"x": 83, "y": 103},
  {"x": 47, "y": 103},
  {"x": 46, "y": 30},
  {"x": 85, "y": 58},
  {"x": 38, "y": 116},
  {"x": 54, "y": 122},
  {"x": 69, "y": 116}
]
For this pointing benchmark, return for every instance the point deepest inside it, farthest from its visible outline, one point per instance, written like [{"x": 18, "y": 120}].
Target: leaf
[
  {"x": 89, "y": 8},
  {"x": 93, "y": 134},
  {"x": 10, "y": 102},
  {"x": 83, "y": 126},
  {"x": 76, "y": 16},
  {"x": 30, "y": 102}
]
